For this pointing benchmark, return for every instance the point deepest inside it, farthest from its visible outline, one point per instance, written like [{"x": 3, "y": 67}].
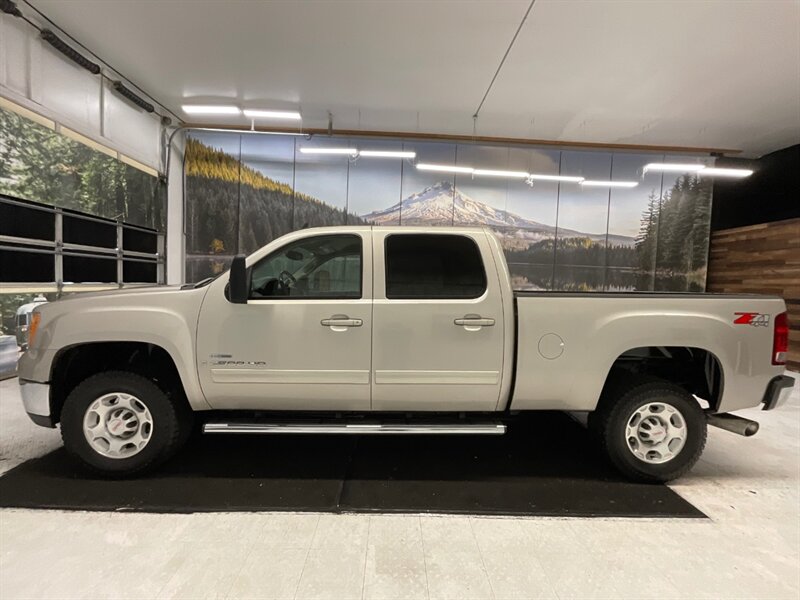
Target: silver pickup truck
[{"x": 398, "y": 330}]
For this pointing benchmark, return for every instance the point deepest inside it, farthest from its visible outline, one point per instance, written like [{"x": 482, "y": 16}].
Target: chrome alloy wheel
[
  {"x": 656, "y": 432},
  {"x": 117, "y": 425}
]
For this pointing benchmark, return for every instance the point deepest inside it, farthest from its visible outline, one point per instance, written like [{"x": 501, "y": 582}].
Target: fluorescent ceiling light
[
  {"x": 388, "y": 153},
  {"x": 674, "y": 167},
  {"x": 494, "y": 173},
  {"x": 444, "y": 168},
  {"x": 271, "y": 114},
  {"x": 572, "y": 178},
  {"x": 197, "y": 109},
  {"x": 610, "y": 184},
  {"x": 715, "y": 172},
  {"x": 249, "y": 131},
  {"x": 348, "y": 151}
]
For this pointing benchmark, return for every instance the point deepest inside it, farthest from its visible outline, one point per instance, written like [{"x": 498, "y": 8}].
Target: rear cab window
[{"x": 433, "y": 266}]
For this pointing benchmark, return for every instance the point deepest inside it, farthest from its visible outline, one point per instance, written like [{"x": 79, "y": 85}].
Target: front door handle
[
  {"x": 341, "y": 322},
  {"x": 473, "y": 322}
]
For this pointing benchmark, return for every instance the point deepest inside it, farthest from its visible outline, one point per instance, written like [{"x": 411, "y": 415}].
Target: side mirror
[{"x": 237, "y": 281}]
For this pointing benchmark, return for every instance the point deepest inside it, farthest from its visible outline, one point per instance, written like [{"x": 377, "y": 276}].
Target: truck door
[
  {"x": 303, "y": 340},
  {"x": 437, "y": 341}
]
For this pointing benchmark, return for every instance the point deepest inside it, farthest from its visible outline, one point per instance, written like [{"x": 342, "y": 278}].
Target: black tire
[
  {"x": 188, "y": 427},
  {"x": 617, "y": 408},
  {"x": 169, "y": 428}
]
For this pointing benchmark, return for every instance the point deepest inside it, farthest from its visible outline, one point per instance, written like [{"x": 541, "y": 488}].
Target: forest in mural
[
  {"x": 674, "y": 234},
  {"x": 36, "y": 163},
  {"x": 241, "y": 194},
  {"x": 233, "y": 208}
]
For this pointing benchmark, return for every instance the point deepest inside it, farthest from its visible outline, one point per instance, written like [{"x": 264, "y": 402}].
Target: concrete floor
[{"x": 749, "y": 548}]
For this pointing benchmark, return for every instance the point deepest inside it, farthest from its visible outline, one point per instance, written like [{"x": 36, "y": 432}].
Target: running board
[{"x": 360, "y": 428}]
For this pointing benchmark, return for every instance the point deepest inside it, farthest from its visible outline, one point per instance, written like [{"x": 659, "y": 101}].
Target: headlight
[{"x": 34, "y": 325}]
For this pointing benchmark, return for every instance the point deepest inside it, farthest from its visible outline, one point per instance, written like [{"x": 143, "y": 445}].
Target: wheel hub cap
[
  {"x": 656, "y": 432},
  {"x": 117, "y": 425},
  {"x": 653, "y": 430}
]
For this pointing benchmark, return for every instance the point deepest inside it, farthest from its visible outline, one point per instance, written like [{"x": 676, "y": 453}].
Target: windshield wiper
[
  {"x": 199, "y": 284},
  {"x": 203, "y": 282}
]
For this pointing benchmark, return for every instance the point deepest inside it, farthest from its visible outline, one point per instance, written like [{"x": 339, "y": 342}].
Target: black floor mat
[{"x": 544, "y": 465}]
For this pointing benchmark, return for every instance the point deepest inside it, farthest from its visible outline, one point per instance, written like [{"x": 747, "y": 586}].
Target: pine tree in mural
[
  {"x": 674, "y": 234},
  {"x": 648, "y": 232},
  {"x": 43, "y": 165},
  {"x": 701, "y": 220}
]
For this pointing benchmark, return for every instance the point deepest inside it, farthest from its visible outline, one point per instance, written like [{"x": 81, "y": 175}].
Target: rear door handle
[
  {"x": 474, "y": 321},
  {"x": 337, "y": 321}
]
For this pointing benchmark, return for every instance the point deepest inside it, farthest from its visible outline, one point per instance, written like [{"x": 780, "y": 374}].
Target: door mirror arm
[{"x": 237, "y": 281}]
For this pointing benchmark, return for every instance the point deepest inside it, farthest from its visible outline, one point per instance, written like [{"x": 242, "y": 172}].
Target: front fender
[{"x": 165, "y": 319}]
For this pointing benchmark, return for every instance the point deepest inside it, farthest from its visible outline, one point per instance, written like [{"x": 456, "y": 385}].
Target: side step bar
[{"x": 360, "y": 428}]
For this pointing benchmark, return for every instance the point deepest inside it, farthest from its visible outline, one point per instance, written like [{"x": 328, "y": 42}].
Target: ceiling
[{"x": 706, "y": 74}]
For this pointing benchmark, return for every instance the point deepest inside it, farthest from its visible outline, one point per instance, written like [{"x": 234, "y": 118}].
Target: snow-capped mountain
[{"x": 440, "y": 204}]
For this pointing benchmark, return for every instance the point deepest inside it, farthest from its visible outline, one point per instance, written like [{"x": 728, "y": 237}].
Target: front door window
[{"x": 318, "y": 267}]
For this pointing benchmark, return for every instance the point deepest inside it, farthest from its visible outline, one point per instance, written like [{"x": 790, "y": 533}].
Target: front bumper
[
  {"x": 36, "y": 400},
  {"x": 778, "y": 391}
]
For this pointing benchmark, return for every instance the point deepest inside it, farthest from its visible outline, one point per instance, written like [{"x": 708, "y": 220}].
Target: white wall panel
[
  {"x": 176, "y": 239},
  {"x": 40, "y": 78},
  {"x": 60, "y": 84},
  {"x": 130, "y": 127},
  {"x": 14, "y": 55}
]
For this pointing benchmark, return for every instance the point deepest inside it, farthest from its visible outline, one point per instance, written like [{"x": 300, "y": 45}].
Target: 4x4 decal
[{"x": 751, "y": 318}]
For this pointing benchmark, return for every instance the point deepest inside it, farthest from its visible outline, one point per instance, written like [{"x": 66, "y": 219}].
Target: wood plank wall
[{"x": 763, "y": 259}]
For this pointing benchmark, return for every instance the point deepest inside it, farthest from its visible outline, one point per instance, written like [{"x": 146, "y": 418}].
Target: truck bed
[
  {"x": 682, "y": 295},
  {"x": 567, "y": 342}
]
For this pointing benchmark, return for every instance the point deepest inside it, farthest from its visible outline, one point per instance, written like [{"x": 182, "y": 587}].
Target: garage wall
[
  {"x": 113, "y": 150},
  {"x": 772, "y": 193},
  {"x": 761, "y": 259},
  {"x": 755, "y": 240},
  {"x": 36, "y": 76}
]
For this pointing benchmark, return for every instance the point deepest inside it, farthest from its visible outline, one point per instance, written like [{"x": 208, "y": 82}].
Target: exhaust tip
[
  {"x": 734, "y": 424},
  {"x": 751, "y": 429}
]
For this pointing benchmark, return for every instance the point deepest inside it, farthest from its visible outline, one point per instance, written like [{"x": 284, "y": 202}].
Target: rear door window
[{"x": 420, "y": 266}]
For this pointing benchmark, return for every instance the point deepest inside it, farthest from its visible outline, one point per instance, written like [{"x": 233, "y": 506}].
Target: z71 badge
[{"x": 751, "y": 318}]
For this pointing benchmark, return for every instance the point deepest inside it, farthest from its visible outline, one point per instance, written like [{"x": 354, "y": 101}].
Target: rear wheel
[
  {"x": 119, "y": 424},
  {"x": 651, "y": 430}
]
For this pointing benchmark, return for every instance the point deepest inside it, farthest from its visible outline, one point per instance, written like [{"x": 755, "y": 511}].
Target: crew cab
[{"x": 404, "y": 330}]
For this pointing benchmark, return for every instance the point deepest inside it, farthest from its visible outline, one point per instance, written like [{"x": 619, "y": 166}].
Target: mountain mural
[
  {"x": 443, "y": 204},
  {"x": 234, "y": 207}
]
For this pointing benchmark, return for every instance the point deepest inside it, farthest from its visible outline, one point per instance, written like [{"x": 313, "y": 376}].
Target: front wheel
[
  {"x": 652, "y": 430},
  {"x": 120, "y": 424}
]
